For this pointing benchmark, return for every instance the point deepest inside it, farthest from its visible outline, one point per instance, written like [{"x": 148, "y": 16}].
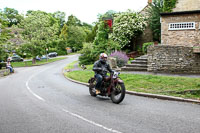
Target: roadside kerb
[{"x": 164, "y": 97}]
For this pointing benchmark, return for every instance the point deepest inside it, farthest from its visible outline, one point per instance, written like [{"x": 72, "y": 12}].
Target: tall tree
[
  {"x": 4, "y": 36},
  {"x": 76, "y": 37},
  {"x": 73, "y": 21},
  {"x": 40, "y": 28},
  {"x": 154, "y": 18},
  {"x": 63, "y": 34},
  {"x": 91, "y": 36},
  {"x": 12, "y": 16},
  {"x": 157, "y": 7},
  {"x": 61, "y": 17}
]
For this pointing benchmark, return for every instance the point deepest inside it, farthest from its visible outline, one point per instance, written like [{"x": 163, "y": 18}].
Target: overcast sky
[{"x": 85, "y": 10}]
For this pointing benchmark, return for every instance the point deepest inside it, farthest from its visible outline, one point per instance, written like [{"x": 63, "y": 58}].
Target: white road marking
[
  {"x": 91, "y": 122},
  {"x": 38, "y": 97},
  {"x": 29, "y": 89}
]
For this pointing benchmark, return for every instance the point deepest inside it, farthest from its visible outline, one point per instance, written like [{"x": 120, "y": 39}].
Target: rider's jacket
[{"x": 101, "y": 68}]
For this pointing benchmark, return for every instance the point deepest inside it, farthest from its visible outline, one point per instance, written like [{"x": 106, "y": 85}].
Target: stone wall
[
  {"x": 4, "y": 72},
  {"x": 180, "y": 37},
  {"x": 173, "y": 59},
  {"x": 187, "y": 5}
]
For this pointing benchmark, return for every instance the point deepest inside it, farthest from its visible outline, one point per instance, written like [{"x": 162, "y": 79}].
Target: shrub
[
  {"x": 145, "y": 45},
  {"x": 90, "y": 52},
  {"x": 60, "y": 52},
  {"x": 52, "y": 50},
  {"x": 121, "y": 57},
  {"x": 87, "y": 56},
  {"x": 127, "y": 26}
]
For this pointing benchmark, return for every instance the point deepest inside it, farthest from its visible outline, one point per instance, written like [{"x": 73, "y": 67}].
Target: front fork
[{"x": 113, "y": 84}]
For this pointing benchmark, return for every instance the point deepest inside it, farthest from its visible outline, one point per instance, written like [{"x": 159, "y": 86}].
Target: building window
[{"x": 182, "y": 26}]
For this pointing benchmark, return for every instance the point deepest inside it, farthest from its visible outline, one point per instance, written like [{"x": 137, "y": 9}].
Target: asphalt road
[{"x": 40, "y": 100}]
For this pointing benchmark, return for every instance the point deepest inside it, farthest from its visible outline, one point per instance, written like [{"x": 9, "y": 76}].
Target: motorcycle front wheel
[{"x": 118, "y": 93}]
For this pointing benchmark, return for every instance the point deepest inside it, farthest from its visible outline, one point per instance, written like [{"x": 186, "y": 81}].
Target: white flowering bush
[{"x": 127, "y": 25}]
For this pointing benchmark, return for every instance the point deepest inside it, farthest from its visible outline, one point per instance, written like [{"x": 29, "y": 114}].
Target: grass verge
[
  {"x": 71, "y": 65},
  {"x": 29, "y": 63}
]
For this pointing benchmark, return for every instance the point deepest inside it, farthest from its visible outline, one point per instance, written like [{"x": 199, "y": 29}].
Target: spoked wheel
[
  {"x": 92, "y": 90},
  {"x": 118, "y": 94}
]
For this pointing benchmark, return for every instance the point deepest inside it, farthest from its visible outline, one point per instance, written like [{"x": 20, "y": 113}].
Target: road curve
[{"x": 40, "y": 100}]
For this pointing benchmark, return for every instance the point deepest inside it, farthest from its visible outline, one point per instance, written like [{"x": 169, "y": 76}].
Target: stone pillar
[{"x": 113, "y": 62}]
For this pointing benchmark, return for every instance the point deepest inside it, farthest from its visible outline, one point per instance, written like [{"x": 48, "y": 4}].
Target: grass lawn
[
  {"x": 166, "y": 85},
  {"x": 29, "y": 63},
  {"x": 71, "y": 65}
]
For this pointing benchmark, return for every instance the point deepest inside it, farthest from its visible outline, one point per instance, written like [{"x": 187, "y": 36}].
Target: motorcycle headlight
[{"x": 115, "y": 75}]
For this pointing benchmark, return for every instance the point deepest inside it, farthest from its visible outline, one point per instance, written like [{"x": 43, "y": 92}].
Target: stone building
[
  {"x": 180, "y": 35},
  {"x": 147, "y": 35},
  {"x": 180, "y": 28}
]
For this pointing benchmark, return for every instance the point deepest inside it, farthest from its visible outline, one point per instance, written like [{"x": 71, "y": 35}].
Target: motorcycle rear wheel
[
  {"x": 118, "y": 94},
  {"x": 92, "y": 90}
]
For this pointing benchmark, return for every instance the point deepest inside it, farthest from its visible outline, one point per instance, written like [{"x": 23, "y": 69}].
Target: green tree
[
  {"x": 87, "y": 26},
  {"x": 39, "y": 29},
  {"x": 63, "y": 34},
  {"x": 102, "y": 33},
  {"x": 91, "y": 36},
  {"x": 61, "y": 17},
  {"x": 154, "y": 19},
  {"x": 102, "y": 44},
  {"x": 3, "y": 53},
  {"x": 3, "y": 21},
  {"x": 29, "y": 12},
  {"x": 4, "y": 34},
  {"x": 76, "y": 37},
  {"x": 87, "y": 56},
  {"x": 168, "y": 5},
  {"x": 102, "y": 37},
  {"x": 4, "y": 37},
  {"x": 73, "y": 21},
  {"x": 157, "y": 7},
  {"x": 12, "y": 16}
]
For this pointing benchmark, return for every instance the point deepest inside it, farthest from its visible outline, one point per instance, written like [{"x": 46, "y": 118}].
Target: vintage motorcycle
[{"x": 113, "y": 87}]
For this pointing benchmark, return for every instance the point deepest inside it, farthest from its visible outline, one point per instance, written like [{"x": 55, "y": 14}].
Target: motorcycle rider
[{"x": 100, "y": 68}]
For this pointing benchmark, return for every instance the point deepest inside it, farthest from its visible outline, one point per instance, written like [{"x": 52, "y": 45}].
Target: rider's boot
[{"x": 98, "y": 92}]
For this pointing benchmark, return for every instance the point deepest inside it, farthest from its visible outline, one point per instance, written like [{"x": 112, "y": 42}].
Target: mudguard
[{"x": 118, "y": 80}]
